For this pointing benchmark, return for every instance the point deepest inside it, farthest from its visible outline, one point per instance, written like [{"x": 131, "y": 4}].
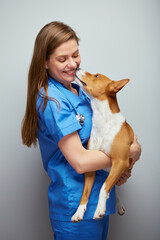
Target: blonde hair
[{"x": 48, "y": 39}]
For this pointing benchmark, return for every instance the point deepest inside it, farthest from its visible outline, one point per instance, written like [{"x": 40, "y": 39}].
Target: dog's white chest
[{"x": 105, "y": 125}]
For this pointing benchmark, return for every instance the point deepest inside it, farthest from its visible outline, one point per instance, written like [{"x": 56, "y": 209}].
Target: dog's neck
[
  {"x": 113, "y": 104},
  {"x": 112, "y": 101},
  {"x": 105, "y": 110}
]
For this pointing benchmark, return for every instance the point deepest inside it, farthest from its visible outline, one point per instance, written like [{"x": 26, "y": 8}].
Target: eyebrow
[{"x": 77, "y": 51}]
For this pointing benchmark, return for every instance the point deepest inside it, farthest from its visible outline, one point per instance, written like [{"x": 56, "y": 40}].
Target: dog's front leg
[{"x": 88, "y": 183}]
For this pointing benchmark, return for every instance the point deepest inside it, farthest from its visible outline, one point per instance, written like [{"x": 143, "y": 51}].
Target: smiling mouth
[{"x": 70, "y": 72}]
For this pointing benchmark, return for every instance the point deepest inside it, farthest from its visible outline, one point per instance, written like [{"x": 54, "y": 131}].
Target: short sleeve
[{"x": 61, "y": 121}]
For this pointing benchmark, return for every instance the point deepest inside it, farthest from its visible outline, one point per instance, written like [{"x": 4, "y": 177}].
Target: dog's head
[{"x": 98, "y": 85}]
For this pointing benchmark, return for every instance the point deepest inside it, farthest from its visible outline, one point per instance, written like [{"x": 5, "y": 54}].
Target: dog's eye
[{"x": 96, "y": 75}]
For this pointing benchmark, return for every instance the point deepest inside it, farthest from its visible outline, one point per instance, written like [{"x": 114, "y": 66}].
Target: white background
[{"x": 119, "y": 38}]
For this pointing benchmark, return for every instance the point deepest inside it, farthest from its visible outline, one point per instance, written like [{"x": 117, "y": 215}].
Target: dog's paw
[
  {"x": 99, "y": 213},
  {"x": 101, "y": 207},
  {"x": 78, "y": 216},
  {"x": 121, "y": 210}
]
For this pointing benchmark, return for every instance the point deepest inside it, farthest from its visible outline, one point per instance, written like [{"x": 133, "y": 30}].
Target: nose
[{"x": 72, "y": 63}]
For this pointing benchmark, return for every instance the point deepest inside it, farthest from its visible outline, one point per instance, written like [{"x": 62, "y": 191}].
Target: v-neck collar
[{"x": 72, "y": 97}]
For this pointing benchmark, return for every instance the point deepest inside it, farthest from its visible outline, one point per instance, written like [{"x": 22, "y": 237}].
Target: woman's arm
[{"x": 81, "y": 159}]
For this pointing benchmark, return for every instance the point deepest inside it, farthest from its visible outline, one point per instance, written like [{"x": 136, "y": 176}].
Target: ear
[
  {"x": 116, "y": 86},
  {"x": 46, "y": 64}
]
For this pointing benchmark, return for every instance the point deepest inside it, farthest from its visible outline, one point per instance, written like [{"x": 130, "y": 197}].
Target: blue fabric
[
  {"x": 84, "y": 230},
  {"x": 66, "y": 186}
]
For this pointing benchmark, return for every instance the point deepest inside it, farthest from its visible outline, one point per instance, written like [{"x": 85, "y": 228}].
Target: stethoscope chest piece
[{"x": 80, "y": 118}]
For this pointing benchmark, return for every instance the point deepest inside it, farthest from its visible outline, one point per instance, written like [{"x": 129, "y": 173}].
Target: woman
[{"x": 59, "y": 114}]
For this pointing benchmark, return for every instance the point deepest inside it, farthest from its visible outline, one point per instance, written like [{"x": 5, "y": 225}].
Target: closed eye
[
  {"x": 75, "y": 56},
  {"x": 61, "y": 59}
]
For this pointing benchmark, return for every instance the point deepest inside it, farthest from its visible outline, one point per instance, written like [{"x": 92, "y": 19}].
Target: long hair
[{"x": 48, "y": 39}]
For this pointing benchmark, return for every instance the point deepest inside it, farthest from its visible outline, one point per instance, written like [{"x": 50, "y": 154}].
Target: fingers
[
  {"x": 131, "y": 164},
  {"x": 135, "y": 138},
  {"x": 135, "y": 150},
  {"x": 123, "y": 179}
]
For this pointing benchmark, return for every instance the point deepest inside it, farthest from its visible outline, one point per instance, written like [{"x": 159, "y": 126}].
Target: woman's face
[{"x": 63, "y": 62}]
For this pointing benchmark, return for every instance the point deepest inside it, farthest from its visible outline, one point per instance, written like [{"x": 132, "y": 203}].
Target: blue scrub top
[{"x": 65, "y": 190}]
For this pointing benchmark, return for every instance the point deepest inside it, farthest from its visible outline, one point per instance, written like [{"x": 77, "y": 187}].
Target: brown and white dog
[{"x": 110, "y": 134}]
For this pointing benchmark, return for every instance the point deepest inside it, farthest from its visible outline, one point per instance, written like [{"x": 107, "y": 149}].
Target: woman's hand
[
  {"x": 123, "y": 178},
  {"x": 135, "y": 152}
]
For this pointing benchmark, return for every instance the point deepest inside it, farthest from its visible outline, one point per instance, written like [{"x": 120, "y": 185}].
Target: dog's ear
[{"x": 116, "y": 86}]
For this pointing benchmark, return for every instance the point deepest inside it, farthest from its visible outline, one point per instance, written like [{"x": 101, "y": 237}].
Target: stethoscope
[{"x": 79, "y": 116}]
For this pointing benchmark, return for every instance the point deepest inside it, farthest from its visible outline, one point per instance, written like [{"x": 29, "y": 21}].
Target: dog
[{"x": 110, "y": 133}]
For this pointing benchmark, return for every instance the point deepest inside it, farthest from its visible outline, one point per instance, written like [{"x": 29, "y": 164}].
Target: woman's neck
[{"x": 71, "y": 88}]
